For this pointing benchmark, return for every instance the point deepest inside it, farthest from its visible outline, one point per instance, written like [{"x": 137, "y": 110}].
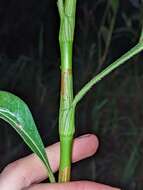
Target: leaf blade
[{"x": 14, "y": 111}]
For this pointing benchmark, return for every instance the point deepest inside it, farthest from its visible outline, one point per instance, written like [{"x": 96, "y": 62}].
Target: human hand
[{"x": 28, "y": 172}]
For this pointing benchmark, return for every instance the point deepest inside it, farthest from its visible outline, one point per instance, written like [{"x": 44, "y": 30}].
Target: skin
[{"x": 28, "y": 172}]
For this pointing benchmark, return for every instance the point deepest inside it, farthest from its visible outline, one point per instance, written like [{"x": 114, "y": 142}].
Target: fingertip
[
  {"x": 91, "y": 141},
  {"x": 94, "y": 143},
  {"x": 85, "y": 146}
]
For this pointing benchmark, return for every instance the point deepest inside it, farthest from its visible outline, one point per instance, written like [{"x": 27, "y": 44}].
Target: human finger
[
  {"x": 26, "y": 171},
  {"x": 80, "y": 185}
]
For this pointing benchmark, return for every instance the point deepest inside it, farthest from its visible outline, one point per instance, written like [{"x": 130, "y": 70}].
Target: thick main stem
[
  {"x": 66, "y": 116},
  {"x": 67, "y": 10},
  {"x": 65, "y": 161}
]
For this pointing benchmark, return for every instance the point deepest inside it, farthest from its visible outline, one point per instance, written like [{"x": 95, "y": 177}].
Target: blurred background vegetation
[{"x": 30, "y": 68}]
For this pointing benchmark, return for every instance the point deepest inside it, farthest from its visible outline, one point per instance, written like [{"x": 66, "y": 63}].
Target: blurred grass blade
[
  {"x": 14, "y": 111},
  {"x": 131, "y": 165},
  {"x": 114, "y": 4}
]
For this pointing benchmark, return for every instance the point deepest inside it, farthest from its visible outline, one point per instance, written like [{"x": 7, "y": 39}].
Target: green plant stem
[
  {"x": 135, "y": 50},
  {"x": 66, "y": 116},
  {"x": 65, "y": 162},
  {"x": 67, "y": 9}
]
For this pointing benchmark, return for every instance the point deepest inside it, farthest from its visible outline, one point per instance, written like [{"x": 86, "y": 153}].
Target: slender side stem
[
  {"x": 135, "y": 50},
  {"x": 67, "y": 9},
  {"x": 120, "y": 61}
]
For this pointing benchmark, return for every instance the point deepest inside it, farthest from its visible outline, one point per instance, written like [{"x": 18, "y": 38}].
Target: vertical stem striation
[{"x": 66, "y": 116}]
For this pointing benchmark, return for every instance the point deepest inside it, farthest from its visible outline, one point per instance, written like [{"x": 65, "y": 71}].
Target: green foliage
[{"x": 14, "y": 111}]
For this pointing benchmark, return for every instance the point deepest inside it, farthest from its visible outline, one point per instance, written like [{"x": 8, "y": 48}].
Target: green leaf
[{"x": 14, "y": 111}]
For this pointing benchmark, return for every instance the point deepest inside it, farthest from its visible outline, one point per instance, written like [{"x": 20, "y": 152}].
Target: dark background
[{"x": 29, "y": 67}]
